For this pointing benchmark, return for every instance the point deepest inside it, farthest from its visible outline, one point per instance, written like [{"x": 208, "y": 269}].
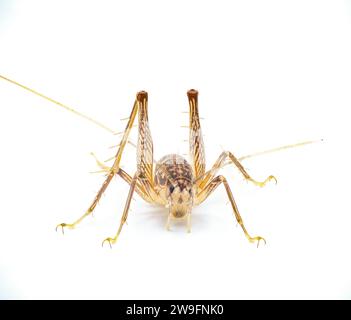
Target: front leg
[{"x": 203, "y": 194}]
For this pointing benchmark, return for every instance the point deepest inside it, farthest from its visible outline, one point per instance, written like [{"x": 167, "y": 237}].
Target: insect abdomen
[{"x": 172, "y": 170}]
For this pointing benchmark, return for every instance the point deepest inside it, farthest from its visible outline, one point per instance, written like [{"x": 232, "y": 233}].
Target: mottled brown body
[{"x": 174, "y": 183}]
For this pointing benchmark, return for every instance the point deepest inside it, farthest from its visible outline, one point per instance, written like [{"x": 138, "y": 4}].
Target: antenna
[
  {"x": 82, "y": 115},
  {"x": 289, "y": 146}
]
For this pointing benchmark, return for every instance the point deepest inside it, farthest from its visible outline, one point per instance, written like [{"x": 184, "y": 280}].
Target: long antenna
[
  {"x": 289, "y": 146},
  {"x": 262, "y": 153},
  {"x": 59, "y": 104}
]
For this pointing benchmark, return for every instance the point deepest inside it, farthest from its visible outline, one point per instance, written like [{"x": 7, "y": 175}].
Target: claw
[
  {"x": 258, "y": 239},
  {"x": 263, "y": 183},
  {"x": 110, "y": 241},
  {"x": 63, "y": 225},
  {"x": 272, "y": 178}
]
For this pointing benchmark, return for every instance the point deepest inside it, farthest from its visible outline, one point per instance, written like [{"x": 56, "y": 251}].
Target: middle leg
[
  {"x": 139, "y": 188},
  {"x": 221, "y": 162}
]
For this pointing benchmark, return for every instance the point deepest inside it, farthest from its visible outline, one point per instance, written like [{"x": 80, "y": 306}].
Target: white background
[{"x": 269, "y": 73}]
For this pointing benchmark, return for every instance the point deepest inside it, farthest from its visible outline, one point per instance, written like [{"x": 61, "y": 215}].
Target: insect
[{"x": 173, "y": 182}]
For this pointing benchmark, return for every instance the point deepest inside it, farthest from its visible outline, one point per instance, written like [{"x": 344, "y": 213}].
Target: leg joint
[
  {"x": 222, "y": 179},
  {"x": 226, "y": 154}
]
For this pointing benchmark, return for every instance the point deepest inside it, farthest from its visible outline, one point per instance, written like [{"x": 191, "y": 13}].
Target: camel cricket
[{"x": 173, "y": 182}]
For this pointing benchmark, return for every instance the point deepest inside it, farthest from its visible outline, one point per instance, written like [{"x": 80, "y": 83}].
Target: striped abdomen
[{"x": 174, "y": 183}]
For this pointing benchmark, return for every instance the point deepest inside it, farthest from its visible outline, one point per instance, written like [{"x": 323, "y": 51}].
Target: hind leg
[
  {"x": 125, "y": 212},
  {"x": 207, "y": 191},
  {"x": 113, "y": 170}
]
